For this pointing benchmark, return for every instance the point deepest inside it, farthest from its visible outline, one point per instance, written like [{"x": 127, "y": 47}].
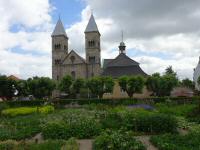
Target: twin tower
[{"x": 65, "y": 62}]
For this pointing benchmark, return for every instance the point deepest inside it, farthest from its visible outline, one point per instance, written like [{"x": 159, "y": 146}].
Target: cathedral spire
[
  {"x": 59, "y": 29},
  {"x": 91, "y": 26}
]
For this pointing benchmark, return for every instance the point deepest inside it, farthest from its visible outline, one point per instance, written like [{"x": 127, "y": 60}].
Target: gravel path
[
  {"x": 85, "y": 144},
  {"x": 146, "y": 142}
]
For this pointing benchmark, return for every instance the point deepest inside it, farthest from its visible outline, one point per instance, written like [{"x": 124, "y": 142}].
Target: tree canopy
[{"x": 132, "y": 84}]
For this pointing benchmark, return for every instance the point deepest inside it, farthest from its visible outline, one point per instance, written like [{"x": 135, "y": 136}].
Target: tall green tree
[
  {"x": 22, "y": 88},
  {"x": 7, "y": 87},
  {"x": 40, "y": 87},
  {"x": 153, "y": 83},
  {"x": 169, "y": 71},
  {"x": 100, "y": 85},
  {"x": 65, "y": 84},
  {"x": 188, "y": 83},
  {"x": 132, "y": 84},
  {"x": 77, "y": 85}
]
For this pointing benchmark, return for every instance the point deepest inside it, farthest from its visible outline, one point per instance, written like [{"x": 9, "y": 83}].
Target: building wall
[
  {"x": 79, "y": 69},
  {"x": 58, "y": 54},
  {"x": 93, "y": 51},
  {"x": 196, "y": 76},
  {"x": 118, "y": 93}
]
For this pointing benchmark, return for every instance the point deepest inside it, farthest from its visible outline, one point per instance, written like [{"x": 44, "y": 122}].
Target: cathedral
[
  {"x": 71, "y": 63},
  {"x": 65, "y": 62}
]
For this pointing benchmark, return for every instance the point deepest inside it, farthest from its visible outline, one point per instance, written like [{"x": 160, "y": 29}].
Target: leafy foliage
[
  {"x": 65, "y": 84},
  {"x": 7, "y": 87},
  {"x": 12, "y": 112},
  {"x": 78, "y": 127},
  {"x": 47, "y": 145},
  {"x": 162, "y": 85},
  {"x": 112, "y": 140},
  {"x": 177, "y": 142},
  {"x": 100, "y": 85},
  {"x": 132, "y": 84}
]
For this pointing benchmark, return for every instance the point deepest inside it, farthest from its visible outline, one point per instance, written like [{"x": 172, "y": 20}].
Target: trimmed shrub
[
  {"x": 12, "y": 112},
  {"x": 139, "y": 120},
  {"x": 117, "y": 140},
  {"x": 177, "y": 142},
  {"x": 79, "y": 128}
]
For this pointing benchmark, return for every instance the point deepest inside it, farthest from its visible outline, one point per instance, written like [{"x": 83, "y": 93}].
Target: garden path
[
  {"x": 85, "y": 144},
  {"x": 146, "y": 142}
]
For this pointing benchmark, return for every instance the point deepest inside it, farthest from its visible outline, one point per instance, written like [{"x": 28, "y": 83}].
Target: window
[
  {"x": 91, "y": 43},
  {"x": 65, "y": 47},
  {"x": 57, "y": 61},
  {"x": 57, "y": 46},
  {"x": 73, "y": 74},
  {"x": 92, "y": 59}
]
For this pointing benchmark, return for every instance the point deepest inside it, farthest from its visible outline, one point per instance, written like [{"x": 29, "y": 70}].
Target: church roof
[
  {"x": 122, "y": 60},
  {"x": 91, "y": 26},
  {"x": 59, "y": 29},
  {"x": 116, "y": 72},
  {"x": 122, "y": 65}
]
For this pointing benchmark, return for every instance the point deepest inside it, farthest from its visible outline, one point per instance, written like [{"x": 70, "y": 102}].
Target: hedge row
[
  {"x": 127, "y": 101},
  {"x": 139, "y": 121}
]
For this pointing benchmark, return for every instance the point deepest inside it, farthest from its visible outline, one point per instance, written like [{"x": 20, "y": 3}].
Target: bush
[
  {"x": 139, "y": 120},
  {"x": 79, "y": 128},
  {"x": 47, "y": 145},
  {"x": 12, "y": 112},
  {"x": 117, "y": 140},
  {"x": 177, "y": 142},
  {"x": 20, "y": 127},
  {"x": 71, "y": 144}
]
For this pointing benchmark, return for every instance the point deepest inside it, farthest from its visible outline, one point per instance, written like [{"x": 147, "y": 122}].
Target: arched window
[
  {"x": 91, "y": 43},
  {"x": 57, "y": 46},
  {"x": 73, "y": 74}
]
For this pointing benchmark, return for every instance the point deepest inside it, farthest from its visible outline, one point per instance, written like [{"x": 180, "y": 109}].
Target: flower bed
[{"x": 117, "y": 140}]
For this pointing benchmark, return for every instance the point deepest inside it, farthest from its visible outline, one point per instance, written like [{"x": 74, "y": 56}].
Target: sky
[{"x": 157, "y": 33}]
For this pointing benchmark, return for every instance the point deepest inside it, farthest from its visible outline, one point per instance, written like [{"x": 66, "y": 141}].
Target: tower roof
[
  {"x": 59, "y": 29},
  {"x": 91, "y": 26}
]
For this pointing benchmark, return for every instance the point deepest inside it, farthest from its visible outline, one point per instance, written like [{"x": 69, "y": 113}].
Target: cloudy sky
[{"x": 157, "y": 33}]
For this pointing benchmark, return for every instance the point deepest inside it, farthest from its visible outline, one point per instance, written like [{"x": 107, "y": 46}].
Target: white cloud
[
  {"x": 169, "y": 28},
  {"x": 25, "y": 37}
]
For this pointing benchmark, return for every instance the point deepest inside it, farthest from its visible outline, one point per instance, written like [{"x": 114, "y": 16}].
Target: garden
[{"x": 165, "y": 125}]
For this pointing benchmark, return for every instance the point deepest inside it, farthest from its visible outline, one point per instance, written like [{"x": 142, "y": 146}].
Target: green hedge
[
  {"x": 125, "y": 101},
  {"x": 177, "y": 142},
  {"x": 142, "y": 121}
]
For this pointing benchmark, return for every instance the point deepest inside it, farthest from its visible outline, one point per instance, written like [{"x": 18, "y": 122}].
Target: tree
[
  {"x": 169, "y": 71},
  {"x": 7, "y": 87},
  {"x": 131, "y": 85},
  {"x": 153, "y": 83},
  {"x": 40, "y": 87},
  {"x": 100, "y": 85},
  {"x": 188, "y": 83},
  {"x": 167, "y": 83},
  {"x": 65, "y": 84},
  {"x": 77, "y": 85},
  {"x": 22, "y": 88},
  {"x": 162, "y": 85}
]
